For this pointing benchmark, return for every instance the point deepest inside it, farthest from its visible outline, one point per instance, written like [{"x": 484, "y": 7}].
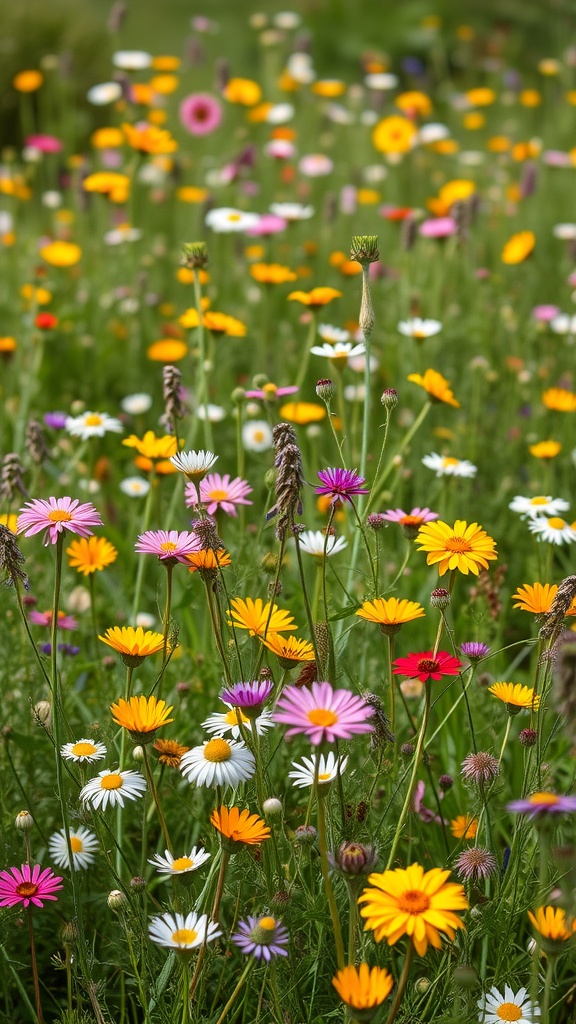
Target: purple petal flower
[
  {"x": 263, "y": 937},
  {"x": 542, "y": 804},
  {"x": 322, "y": 713},
  {"x": 341, "y": 484},
  {"x": 474, "y": 649},
  {"x": 56, "y": 515},
  {"x": 248, "y": 695}
]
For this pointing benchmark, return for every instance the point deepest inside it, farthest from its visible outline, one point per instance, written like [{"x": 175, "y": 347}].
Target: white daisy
[
  {"x": 280, "y": 113},
  {"x": 134, "y": 486},
  {"x": 170, "y": 865},
  {"x": 124, "y": 233},
  {"x": 210, "y": 412},
  {"x": 218, "y": 762},
  {"x": 553, "y": 529},
  {"x": 419, "y": 329},
  {"x": 103, "y": 93},
  {"x": 382, "y": 81},
  {"x": 446, "y": 465},
  {"x": 226, "y": 219},
  {"x": 333, "y": 334},
  {"x": 92, "y": 424},
  {"x": 540, "y": 505},
  {"x": 355, "y": 393},
  {"x": 566, "y": 232},
  {"x": 109, "y": 787},
  {"x": 194, "y": 465},
  {"x": 316, "y": 543},
  {"x": 83, "y": 750},
  {"x": 219, "y": 723},
  {"x": 136, "y": 404},
  {"x": 329, "y": 768},
  {"x": 292, "y": 211},
  {"x": 338, "y": 353},
  {"x": 563, "y": 324},
  {"x": 182, "y": 933},
  {"x": 132, "y": 60},
  {"x": 495, "y": 1007},
  {"x": 83, "y": 844},
  {"x": 257, "y": 436}
]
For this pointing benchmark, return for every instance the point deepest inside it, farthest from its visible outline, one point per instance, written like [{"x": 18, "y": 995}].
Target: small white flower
[
  {"x": 566, "y": 232},
  {"x": 419, "y": 329},
  {"x": 563, "y": 324},
  {"x": 117, "y": 236},
  {"x": 92, "y": 424},
  {"x": 109, "y": 787},
  {"x": 212, "y": 413},
  {"x": 182, "y": 933},
  {"x": 339, "y": 114},
  {"x": 170, "y": 865},
  {"x": 316, "y": 543},
  {"x": 292, "y": 211},
  {"x": 226, "y": 219},
  {"x": 7, "y": 220},
  {"x": 432, "y": 132},
  {"x": 103, "y": 93},
  {"x": 257, "y": 436},
  {"x": 382, "y": 81},
  {"x": 222, "y": 722},
  {"x": 218, "y": 762},
  {"x": 83, "y": 844},
  {"x": 280, "y": 113},
  {"x": 145, "y": 620},
  {"x": 333, "y": 334},
  {"x": 329, "y": 768},
  {"x": 355, "y": 392},
  {"x": 83, "y": 750},
  {"x": 540, "y": 505},
  {"x": 194, "y": 465},
  {"x": 553, "y": 529},
  {"x": 495, "y": 1007},
  {"x": 135, "y": 486},
  {"x": 132, "y": 60},
  {"x": 51, "y": 200},
  {"x": 340, "y": 352},
  {"x": 136, "y": 404},
  {"x": 447, "y": 465},
  {"x": 287, "y": 20}
]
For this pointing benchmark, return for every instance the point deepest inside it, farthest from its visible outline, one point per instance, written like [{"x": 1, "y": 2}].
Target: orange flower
[
  {"x": 559, "y": 399},
  {"x": 518, "y": 247},
  {"x": 146, "y": 138},
  {"x": 167, "y": 350},
  {"x": 107, "y": 138},
  {"x": 394, "y": 135},
  {"x": 436, "y": 386},
  {"x": 28, "y": 81},
  {"x": 481, "y": 97},
  {"x": 302, "y": 413},
  {"x": 192, "y": 194},
  {"x": 271, "y": 273},
  {"x": 239, "y": 827},
  {"x": 316, "y": 297},
  {"x": 243, "y": 91},
  {"x": 464, "y": 826},
  {"x": 108, "y": 183},
  {"x": 414, "y": 103},
  {"x": 208, "y": 559},
  {"x": 152, "y": 447},
  {"x": 545, "y": 449}
]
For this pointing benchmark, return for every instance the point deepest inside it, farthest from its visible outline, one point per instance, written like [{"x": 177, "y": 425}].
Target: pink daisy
[
  {"x": 55, "y": 516},
  {"x": 45, "y": 619},
  {"x": 27, "y": 885},
  {"x": 414, "y": 518},
  {"x": 219, "y": 492},
  {"x": 169, "y": 545},
  {"x": 323, "y": 713},
  {"x": 200, "y": 113},
  {"x": 340, "y": 484}
]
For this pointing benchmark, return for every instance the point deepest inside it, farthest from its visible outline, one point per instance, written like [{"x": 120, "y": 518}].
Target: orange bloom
[
  {"x": 436, "y": 386},
  {"x": 545, "y": 449},
  {"x": 518, "y": 247},
  {"x": 316, "y": 297},
  {"x": 559, "y": 399},
  {"x": 239, "y": 827},
  {"x": 146, "y": 138},
  {"x": 271, "y": 273},
  {"x": 243, "y": 91}
]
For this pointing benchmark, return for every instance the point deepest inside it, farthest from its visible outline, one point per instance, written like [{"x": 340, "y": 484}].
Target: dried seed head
[
  {"x": 553, "y": 620},
  {"x": 174, "y": 408},
  {"x": 379, "y": 720},
  {"x": 36, "y": 442},
  {"x": 11, "y": 558},
  {"x": 289, "y": 479},
  {"x": 11, "y": 482}
]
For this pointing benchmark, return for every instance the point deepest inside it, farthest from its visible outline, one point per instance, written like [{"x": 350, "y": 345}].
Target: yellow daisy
[
  {"x": 467, "y": 548},
  {"x": 141, "y": 716},
  {"x": 362, "y": 987},
  {"x": 515, "y": 696},
  {"x": 259, "y": 618}
]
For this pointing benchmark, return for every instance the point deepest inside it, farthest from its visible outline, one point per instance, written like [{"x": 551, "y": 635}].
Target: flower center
[
  {"x": 218, "y": 495},
  {"x": 184, "y": 936},
  {"x": 112, "y": 781},
  {"x": 83, "y": 749},
  {"x": 269, "y": 389},
  {"x": 322, "y": 716},
  {"x": 27, "y": 889},
  {"x": 258, "y": 436},
  {"x": 413, "y": 901},
  {"x": 168, "y": 545},
  {"x": 268, "y": 923},
  {"x": 411, "y": 521},
  {"x": 233, "y": 715},
  {"x": 217, "y": 750},
  {"x": 234, "y": 216},
  {"x": 449, "y": 460},
  {"x": 76, "y": 844},
  {"x": 543, "y": 798},
  {"x": 182, "y": 864},
  {"x": 540, "y": 500},
  {"x": 457, "y": 544},
  {"x": 324, "y": 776},
  {"x": 427, "y": 665},
  {"x": 509, "y": 1011},
  {"x": 93, "y": 421},
  {"x": 556, "y": 523},
  {"x": 58, "y": 515}
]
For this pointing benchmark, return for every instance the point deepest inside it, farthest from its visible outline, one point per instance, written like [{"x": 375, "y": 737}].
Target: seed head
[
  {"x": 194, "y": 255},
  {"x": 364, "y": 249},
  {"x": 475, "y": 863},
  {"x": 480, "y": 767}
]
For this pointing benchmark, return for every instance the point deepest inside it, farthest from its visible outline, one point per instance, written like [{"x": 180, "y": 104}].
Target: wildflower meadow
[{"x": 287, "y": 500}]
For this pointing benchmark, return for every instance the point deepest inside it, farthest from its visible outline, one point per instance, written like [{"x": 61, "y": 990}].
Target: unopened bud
[
  {"x": 138, "y": 884},
  {"x": 465, "y": 976},
  {"x": 440, "y": 598},
  {"x": 69, "y": 932},
  {"x": 421, "y": 986},
  {"x": 376, "y": 521},
  {"x": 43, "y": 714},
  {"x": 364, "y": 249},
  {"x": 305, "y": 835},
  {"x": 389, "y": 398},
  {"x": 355, "y": 859},
  {"x": 272, "y": 807},
  {"x": 527, "y": 737},
  {"x": 238, "y": 396},
  {"x": 445, "y": 782},
  {"x": 325, "y": 390},
  {"x": 117, "y": 900},
  {"x": 138, "y": 753},
  {"x": 24, "y": 821},
  {"x": 194, "y": 254}
]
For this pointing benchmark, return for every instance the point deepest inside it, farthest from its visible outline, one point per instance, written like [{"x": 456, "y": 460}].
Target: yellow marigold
[
  {"x": 316, "y": 297},
  {"x": 208, "y": 559},
  {"x": 559, "y": 399},
  {"x": 91, "y": 554},
  {"x": 7, "y": 346},
  {"x": 530, "y": 98},
  {"x": 259, "y": 113},
  {"x": 410, "y": 901},
  {"x": 147, "y": 138},
  {"x": 61, "y": 254},
  {"x": 536, "y": 598},
  {"x": 545, "y": 449},
  {"x": 221, "y": 323},
  {"x": 192, "y": 194},
  {"x": 436, "y": 386},
  {"x": 152, "y": 447},
  {"x": 9, "y": 519},
  {"x": 38, "y": 296},
  {"x": 362, "y": 987},
  {"x": 467, "y": 548},
  {"x": 518, "y": 247},
  {"x": 107, "y": 138},
  {"x": 243, "y": 91},
  {"x": 394, "y": 135},
  {"x": 28, "y": 81},
  {"x": 414, "y": 102},
  {"x": 142, "y": 94},
  {"x": 109, "y": 183},
  {"x": 133, "y": 645},
  {"x": 390, "y": 613},
  {"x": 238, "y": 826},
  {"x": 464, "y": 826},
  {"x": 328, "y": 88},
  {"x": 167, "y": 350},
  {"x": 141, "y": 716},
  {"x": 552, "y": 924},
  {"x": 302, "y": 413},
  {"x": 166, "y": 62},
  {"x": 480, "y": 97},
  {"x": 515, "y": 696},
  {"x": 164, "y": 84},
  {"x": 259, "y": 618},
  {"x": 271, "y": 273},
  {"x": 454, "y": 191},
  {"x": 288, "y": 648},
  {"x": 498, "y": 144}
]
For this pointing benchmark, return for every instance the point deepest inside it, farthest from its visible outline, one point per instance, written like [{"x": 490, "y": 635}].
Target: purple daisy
[
  {"x": 340, "y": 484},
  {"x": 200, "y": 113},
  {"x": 56, "y": 515},
  {"x": 323, "y": 713},
  {"x": 45, "y": 619},
  {"x": 474, "y": 650},
  {"x": 542, "y": 804},
  {"x": 169, "y": 545},
  {"x": 264, "y": 937},
  {"x": 219, "y": 492},
  {"x": 248, "y": 695},
  {"x": 475, "y": 863}
]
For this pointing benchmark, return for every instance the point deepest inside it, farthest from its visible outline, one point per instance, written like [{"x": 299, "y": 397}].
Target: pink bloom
[
  {"x": 270, "y": 391},
  {"x": 421, "y": 515},
  {"x": 168, "y": 545},
  {"x": 45, "y": 143},
  {"x": 280, "y": 149},
  {"x": 545, "y": 313},
  {"x": 219, "y": 492},
  {"x": 45, "y": 619},
  {"x": 55, "y": 516},
  {"x": 340, "y": 484},
  {"x": 269, "y": 224},
  {"x": 27, "y": 885},
  {"x": 424, "y": 813},
  {"x": 323, "y": 713},
  {"x": 200, "y": 113},
  {"x": 438, "y": 227}
]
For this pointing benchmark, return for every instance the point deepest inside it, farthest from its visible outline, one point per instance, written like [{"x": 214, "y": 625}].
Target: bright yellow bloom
[
  {"x": 536, "y": 598},
  {"x": 436, "y": 386},
  {"x": 133, "y": 644},
  {"x": 394, "y": 134},
  {"x": 410, "y": 901},
  {"x": 109, "y": 183},
  {"x": 302, "y": 413},
  {"x": 166, "y": 62},
  {"x": 390, "y": 613},
  {"x": 480, "y": 97},
  {"x": 107, "y": 138},
  {"x": 61, "y": 254},
  {"x": 153, "y": 447},
  {"x": 146, "y": 138},
  {"x": 545, "y": 449},
  {"x": 239, "y": 826},
  {"x": 243, "y": 91},
  {"x": 473, "y": 121},
  {"x": 221, "y": 323},
  {"x": 167, "y": 350},
  {"x": 316, "y": 297},
  {"x": 208, "y": 559},
  {"x": 91, "y": 554},
  {"x": 518, "y": 247},
  {"x": 8, "y": 346},
  {"x": 141, "y": 715},
  {"x": 192, "y": 194},
  {"x": 288, "y": 648},
  {"x": 463, "y": 547},
  {"x": 551, "y": 923},
  {"x": 464, "y": 826},
  {"x": 164, "y": 84},
  {"x": 362, "y": 988},
  {"x": 414, "y": 102},
  {"x": 530, "y": 98},
  {"x": 259, "y": 618},
  {"x": 559, "y": 399},
  {"x": 271, "y": 273},
  {"x": 41, "y": 296},
  {"x": 28, "y": 81},
  {"x": 9, "y": 519},
  {"x": 328, "y": 88},
  {"x": 515, "y": 696}
]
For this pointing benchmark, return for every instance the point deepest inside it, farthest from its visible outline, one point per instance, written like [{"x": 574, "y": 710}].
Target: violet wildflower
[
  {"x": 542, "y": 804},
  {"x": 475, "y": 863},
  {"x": 250, "y": 697},
  {"x": 474, "y": 650},
  {"x": 480, "y": 767},
  {"x": 340, "y": 484},
  {"x": 263, "y": 937}
]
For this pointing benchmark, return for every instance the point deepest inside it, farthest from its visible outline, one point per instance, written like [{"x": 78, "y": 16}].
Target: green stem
[
  {"x": 185, "y": 991},
  {"x": 324, "y": 866},
  {"x": 402, "y": 982},
  {"x": 236, "y": 991},
  {"x": 167, "y": 607},
  {"x": 306, "y": 357},
  {"x": 411, "y": 784},
  {"x": 34, "y": 967},
  {"x": 202, "y": 376},
  {"x": 140, "y": 570},
  {"x": 378, "y": 484},
  {"x": 161, "y": 818}
]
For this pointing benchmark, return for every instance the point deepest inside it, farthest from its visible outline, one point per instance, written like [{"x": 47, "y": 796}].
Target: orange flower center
[
  {"x": 427, "y": 665},
  {"x": 543, "y": 798},
  {"x": 449, "y": 460},
  {"x": 76, "y": 844},
  {"x": 218, "y": 495},
  {"x": 556, "y": 523},
  {"x": 268, "y": 923},
  {"x": 411, "y": 521},
  {"x": 457, "y": 544},
  {"x": 113, "y": 781},
  {"x": 509, "y": 1011},
  {"x": 83, "y": 749},
  {"x": 324, "y": 776},
  {"x": 184, "y": 936},
  {"x": 182, "y": 864},
  {"x": 413, "y": 901},
  {"x": 27, "y": 889},
  {"x": 217, "y": 750},
  {"x": 57, "y": 515},
  {"x": 168, "y": 545},
  {"x": 322, "y": 716}
]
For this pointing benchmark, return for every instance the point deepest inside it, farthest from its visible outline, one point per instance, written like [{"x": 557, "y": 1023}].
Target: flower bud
[
  {"x": 138, "y": 884},
  {"x": 527, "y": 737},
  {"x": 138, "y": 752},
  {"x": 421, "y": 986},
  {"x": 117, "y": 900},
  {"x": 305, "y": 835},
  {"x": 465, "y": 976},
  {"x": 376, "y": 521},
  {"x": 445, "y": 782},
  {"x": 69, "y": 932},
  {"x": 238, "y": 396},
  {"x": 193, "y": 255},
  {"x": 325, "y": 390},
  {"x": 355, "y": 859},
  {"x": 43, "y": 714},
  {"x": 24, "y": 821},
  {"x": 407, "y": 750},
  {"x": 364, "y": 249},
  {"x": 272, "y": 807},
  {"x": 440, "y": 598},
  {"x": 389, "y": 398}
]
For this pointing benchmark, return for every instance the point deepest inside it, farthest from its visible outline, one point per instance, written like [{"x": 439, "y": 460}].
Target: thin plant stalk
[
  {"x": 236, "y": 991},
  {"x": 35, "y": 979}
]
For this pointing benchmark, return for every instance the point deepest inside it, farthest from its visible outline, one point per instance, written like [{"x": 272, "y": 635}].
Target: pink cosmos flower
[
  {"x": 44, "y": 143},
  {"x": 270, "y": 392},
  {"x": 545, "y": 313},
  {"x": 219, "y": 492},
  {"x": 438, "y": 227},
  {"x": 200, "y": 113},
  {"x": 340, "y": 484},
  {"x": 323, "y": 713},
  {"x": 56, "y": 515},
  {"x": 168, "y": 545},
  {"x": 269, "y": 224},
  {"x": 27, "y": 885},
  {"x": 414, "y": 518},
  {"x": 45, "y": 619}
]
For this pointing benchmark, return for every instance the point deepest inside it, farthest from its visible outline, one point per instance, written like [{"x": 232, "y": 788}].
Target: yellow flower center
[
  {"x": 233, "y": 715},
  {"x": 509, "y": 1011},
  {"x": 83, "y": 749},
  {"x": 323, "y": 776},
  {"x": 182, "y": 864},
  {"x": 457, "y": 544},
  {"x": 449, "y": 460},
  {"x": 113, "y": 781},
  {"x": 413, "y": 901},
  {"x": 258, "y": 436},
  {"x": 270, "y": 389},
  {"x": 184, "y": 936},
  {"x": 26, "y": 889},
  {"x": 94, "y": 420},
  {"x": 539, "y": 500},
  {"x": 76, "y": 844},
  {"x": 233, "y": 216},
  {"x": 57, "y": 515},
  {"x": 322, "y": 716},
  {"x": 218, "y": 495},
  {"x": 543, "y": 798},
  {"x": 217, "y": 750},
  {"x": 168, "y": 545},
  {"x": 556, "y": 523},
  {"x": 268, "y": 923}
]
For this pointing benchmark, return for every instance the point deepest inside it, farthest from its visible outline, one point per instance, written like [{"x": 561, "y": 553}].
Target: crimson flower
[{"x": 427, "y": 665}]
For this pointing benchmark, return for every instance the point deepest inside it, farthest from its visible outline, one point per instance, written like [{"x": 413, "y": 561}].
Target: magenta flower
[
  {"x": 438, "y": 227},
  {"x": 340, "y": 484},
  {"x": 427, "y": 665},
  {"x": 169, "y": 545},
  {"x": 270, "y": 392},
  {"x": 27, "y": 885},
  {"x": 55, "y": 516},
  {"x": 322, "y": 713},
  {"x": 545, "y": 313},
  {"x": 44, "y": 143},
  {"x": 45, "y": 619},
  {"x": 542, "y": 804},
  {"x": 474, "y": 649},
  {"x": 264, "y": 937},
  {"x": 269, "y": 224},
  {"x": 475, "y": 863},
  {"x": 414, "y": 518},
  {"x": 219, "y": 492},
  {"x": 200, "y": 113},
  {"x": 248, "y": 695}
]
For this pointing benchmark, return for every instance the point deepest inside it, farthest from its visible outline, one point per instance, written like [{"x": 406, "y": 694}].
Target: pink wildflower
[{"x": 56, "y": 515}]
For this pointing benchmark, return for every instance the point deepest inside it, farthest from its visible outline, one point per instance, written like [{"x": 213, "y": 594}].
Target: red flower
[
  {"x": 427, "y": 665},
  {"x": 46, "y": 321}
]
